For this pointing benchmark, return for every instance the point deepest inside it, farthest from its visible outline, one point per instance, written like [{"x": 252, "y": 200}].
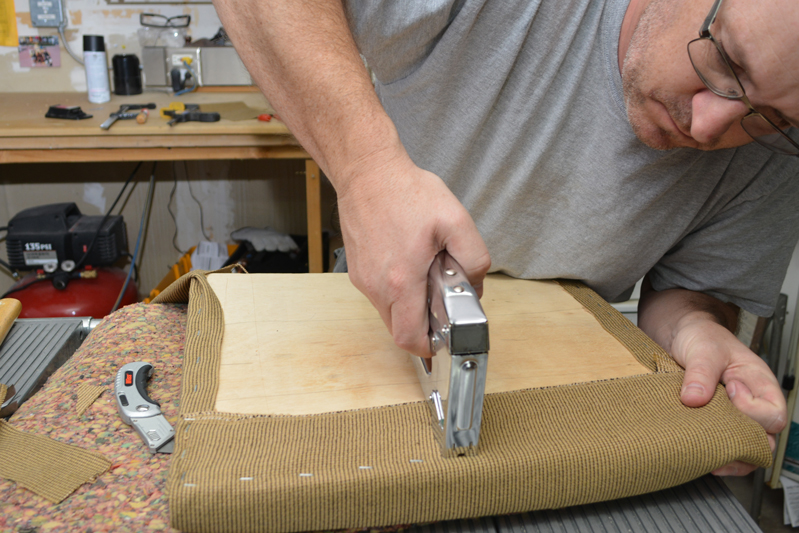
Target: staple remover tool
[
  {"x": 454, "y": 380},
  {"x": 124, "y": 113}
]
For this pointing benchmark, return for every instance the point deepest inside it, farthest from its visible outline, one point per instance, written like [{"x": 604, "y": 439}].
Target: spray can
[{"x": 96, "y": 64}]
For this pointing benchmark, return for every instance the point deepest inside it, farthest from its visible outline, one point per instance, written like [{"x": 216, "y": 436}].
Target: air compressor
[{"x": 75, "y": 253}]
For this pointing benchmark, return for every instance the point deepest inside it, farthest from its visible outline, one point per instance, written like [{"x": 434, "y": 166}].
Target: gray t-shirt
[{"x": 517, "y": 105}]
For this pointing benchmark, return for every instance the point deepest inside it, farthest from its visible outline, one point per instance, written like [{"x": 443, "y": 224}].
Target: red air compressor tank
[{"x": 94, "y": 297}]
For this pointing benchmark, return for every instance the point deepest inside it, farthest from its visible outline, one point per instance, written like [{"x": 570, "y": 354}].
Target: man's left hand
[
  {"x": 711, "y": 354},
  {"x": 696, "y": 329}
]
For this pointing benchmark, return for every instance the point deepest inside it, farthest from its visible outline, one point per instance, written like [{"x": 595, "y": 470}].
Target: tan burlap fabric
[
  {"x": 87, "y": 394},
  {"x": 47, "y": 467},
  {"x": 543, "y": 448}
]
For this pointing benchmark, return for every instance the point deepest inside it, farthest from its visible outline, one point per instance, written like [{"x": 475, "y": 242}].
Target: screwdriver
[{"x": 123, "y": 114}]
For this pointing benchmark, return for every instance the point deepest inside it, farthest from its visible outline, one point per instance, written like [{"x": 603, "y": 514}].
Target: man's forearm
[
  {"x": 303, "y": 57},
  {"x": 663, "y": 314}
]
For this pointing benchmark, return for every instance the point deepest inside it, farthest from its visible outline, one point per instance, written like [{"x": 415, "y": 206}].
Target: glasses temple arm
[{"x": 711, "y": 17}]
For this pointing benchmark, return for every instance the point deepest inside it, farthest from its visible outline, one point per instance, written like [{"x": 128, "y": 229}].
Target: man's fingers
[
  {"x": 466, "y": 246},
  {"x": 702, "y": 374},
  {"x": 766, "y": 411},
  {"x": 736, "y": 468},
  {"x": 410, "y": 324},
  {"x": 476, "y": 264}
]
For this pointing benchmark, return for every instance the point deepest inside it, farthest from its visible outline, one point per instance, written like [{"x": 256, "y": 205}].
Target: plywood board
[{"x": 299, "y": 344}]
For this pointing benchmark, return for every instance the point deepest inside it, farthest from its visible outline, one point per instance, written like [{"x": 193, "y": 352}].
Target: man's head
[{"x": 668, "y": 105}]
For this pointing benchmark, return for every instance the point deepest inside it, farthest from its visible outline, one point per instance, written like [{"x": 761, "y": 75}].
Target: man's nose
[{"x": 712, "y": 115}]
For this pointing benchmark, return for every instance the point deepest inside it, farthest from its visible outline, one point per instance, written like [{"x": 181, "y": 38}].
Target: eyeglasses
[
  {"x": 713, "y": 67},
  {"x": 154, "y": 20}
]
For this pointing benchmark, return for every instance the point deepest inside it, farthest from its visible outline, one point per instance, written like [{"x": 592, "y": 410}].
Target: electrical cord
[
  {"x": 169, "y": 207},
  {"x": 119, "y": 196},
  {"x": 66, "y": 44},
  {"x": 193, "y": 75},
  {"x": 6, "y": 266},
  {"x": 144, "y": 216},
  {"x": 3, "y": 263},
  {"x": 108, "y": 214},
  {"x": 135, "y": 267},
  {"x": 34, "y": 281},
  {"x": 188, "y": 182}
]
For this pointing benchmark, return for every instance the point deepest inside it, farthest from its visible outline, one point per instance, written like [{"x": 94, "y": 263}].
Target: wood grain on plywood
[{"x": 303, "y": 344}]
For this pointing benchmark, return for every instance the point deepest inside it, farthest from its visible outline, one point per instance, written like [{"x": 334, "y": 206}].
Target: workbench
[{"x": 26, "y": 136}]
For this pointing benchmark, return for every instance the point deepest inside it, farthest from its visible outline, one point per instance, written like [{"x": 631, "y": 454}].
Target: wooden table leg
[{"x": 313, "y": 201}]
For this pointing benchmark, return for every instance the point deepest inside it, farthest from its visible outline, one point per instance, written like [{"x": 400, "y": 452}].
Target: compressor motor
[{"x": 58, "y": 236}]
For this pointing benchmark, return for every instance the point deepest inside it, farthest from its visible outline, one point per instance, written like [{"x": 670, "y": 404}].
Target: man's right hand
[{"x": 395, "y": 218}]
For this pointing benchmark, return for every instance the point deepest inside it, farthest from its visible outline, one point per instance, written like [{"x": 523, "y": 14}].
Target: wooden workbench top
[
  {"x": 22, "y": 115},
  {"x": 27, "y": 136}
]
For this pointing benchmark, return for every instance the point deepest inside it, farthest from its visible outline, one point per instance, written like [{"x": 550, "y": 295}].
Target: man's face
[{"x": 668, "y": 105}]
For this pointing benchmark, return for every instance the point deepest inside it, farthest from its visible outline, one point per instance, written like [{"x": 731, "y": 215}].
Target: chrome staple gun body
[{"x": 454, "y": 381}]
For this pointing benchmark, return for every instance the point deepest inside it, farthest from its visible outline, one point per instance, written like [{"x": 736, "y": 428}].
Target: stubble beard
[{"x": 634, "y": 76}]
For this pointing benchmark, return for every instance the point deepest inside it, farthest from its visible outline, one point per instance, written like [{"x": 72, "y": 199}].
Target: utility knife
[{"x": 137, "y": 409}]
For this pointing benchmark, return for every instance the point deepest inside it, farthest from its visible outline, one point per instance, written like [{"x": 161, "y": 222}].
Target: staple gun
[{"x": 454, "y": 380}]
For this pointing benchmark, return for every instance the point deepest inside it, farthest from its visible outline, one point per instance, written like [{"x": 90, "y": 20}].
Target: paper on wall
[
  {"x": 791, "y": 506},
  {"x": 209, "y": 256},
  {"x": 8, "y": 24}
]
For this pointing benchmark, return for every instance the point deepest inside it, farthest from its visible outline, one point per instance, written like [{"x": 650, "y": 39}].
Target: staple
[
  {"x": 182, "y": 455},
  {"x": 198, "y": 359},
  {"x": 195, "y": 387},
  {"x": 189, "y": 485},
  {"x": 306, "y": 475},
  {"x": 417, "y": 461},
  {"x": 245, "y": 479},
  {"x": 198, "y": 332},
  {"x": 365, "y": 467},
  {"x": 183, "y": 476}
]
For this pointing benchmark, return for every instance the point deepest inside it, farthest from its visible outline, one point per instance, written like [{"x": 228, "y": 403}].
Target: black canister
[{"x": 127, "y": 74}]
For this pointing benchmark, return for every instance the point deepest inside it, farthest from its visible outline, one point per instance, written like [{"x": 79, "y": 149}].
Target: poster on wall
[{"x": 39, "y": 52}]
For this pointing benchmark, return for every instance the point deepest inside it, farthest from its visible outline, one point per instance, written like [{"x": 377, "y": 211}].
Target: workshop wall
[
  {"x": 233, "y": 194},
  {"x": 116, "y": 22}
]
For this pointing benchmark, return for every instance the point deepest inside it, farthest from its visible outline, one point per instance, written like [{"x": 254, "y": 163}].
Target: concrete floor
[{"x": 771, "y": 507}]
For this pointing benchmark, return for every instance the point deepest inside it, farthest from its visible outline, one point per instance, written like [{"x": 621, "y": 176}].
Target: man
[{"x": 576, "y": 137}]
